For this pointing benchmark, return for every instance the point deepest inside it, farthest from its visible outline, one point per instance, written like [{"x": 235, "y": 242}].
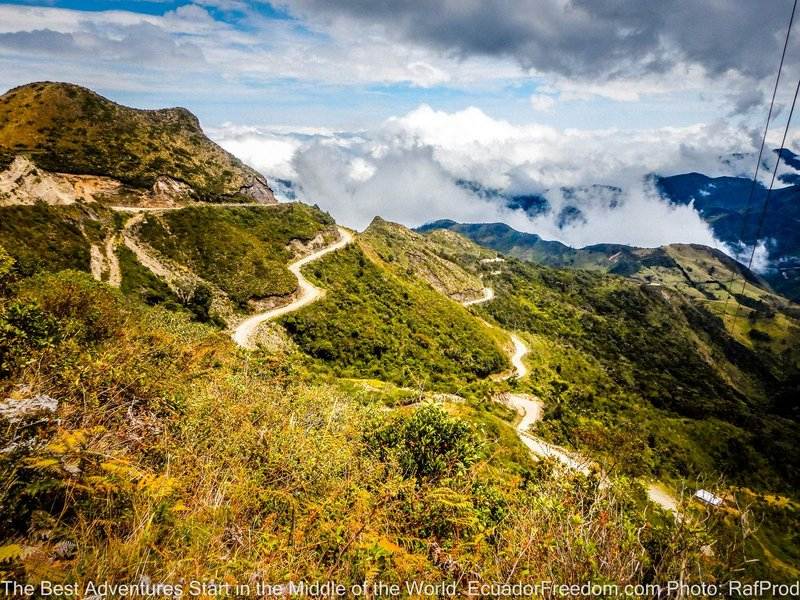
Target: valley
[{"x": 221, "y": 383}]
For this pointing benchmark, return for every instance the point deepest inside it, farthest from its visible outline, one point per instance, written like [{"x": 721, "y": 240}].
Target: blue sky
[{"x": 255, "y": 62}]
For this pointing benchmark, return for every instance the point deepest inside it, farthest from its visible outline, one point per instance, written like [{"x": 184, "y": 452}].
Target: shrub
[{"x": 430, "y": 445}]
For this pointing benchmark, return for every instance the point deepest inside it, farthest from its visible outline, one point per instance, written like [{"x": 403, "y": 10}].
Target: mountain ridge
[
  {"x": 65, "y": 128},
  {"x": 602, "y": 256}
]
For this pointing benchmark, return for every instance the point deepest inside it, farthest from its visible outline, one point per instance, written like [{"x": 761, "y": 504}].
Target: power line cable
[
  {"x": 761, "y": 149},
  {"x": 765, "y": 208}
]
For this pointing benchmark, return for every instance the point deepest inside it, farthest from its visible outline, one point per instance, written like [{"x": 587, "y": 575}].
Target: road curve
[
  {"x": 308, "y": 293},
  {"x": 531, "y": 410},
  {"x": 488, "y": 294},
  {"x": 520, "y": 350}
]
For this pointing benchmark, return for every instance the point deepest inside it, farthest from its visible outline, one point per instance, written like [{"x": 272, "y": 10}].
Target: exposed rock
[
  {"x": 167, "y": 190},
  {"x": 300, "y": 249},
  {"x": 25, "y": 183},
  {"x": 112, "y": 261},
  {"x": 96, "y": 262},
  {"x": 19, "y": 407},
  {"x": 258, "y": 190}
]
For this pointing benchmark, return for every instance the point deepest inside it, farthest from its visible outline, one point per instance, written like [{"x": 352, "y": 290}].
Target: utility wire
[
  {"x": 761, "y": 152},
  {"x": 764, "y": 209}
]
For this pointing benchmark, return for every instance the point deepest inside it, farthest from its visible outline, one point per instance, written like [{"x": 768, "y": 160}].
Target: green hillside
[
  {"x": 415, "y": 255},
  {"x": 50, "y": 238},
  {"x": 70, "y": 129},
  {"x": 236, "y": 254},
  {"x": 610, "y": 357},
  {"x": 164, "y": 437},
  {"x": 375, "y": 323},
  {"x": 703, "y": 275},
  {"x": 621, "y": 364},
  {"x": 242, "y": 250}
]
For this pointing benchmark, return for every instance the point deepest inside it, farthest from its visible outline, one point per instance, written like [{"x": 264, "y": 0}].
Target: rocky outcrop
[
  {"x": 23, "y": 182},
  {"x": 258, "y": 190},
  {"x": 23, "y": 404},
  {"x": 167, "y": 190}
]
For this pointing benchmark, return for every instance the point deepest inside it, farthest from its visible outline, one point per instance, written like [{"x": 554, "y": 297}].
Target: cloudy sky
[{"x": 380, "y": 107}]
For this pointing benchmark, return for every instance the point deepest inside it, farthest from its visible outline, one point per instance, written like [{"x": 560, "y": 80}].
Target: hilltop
[
  {"x": 416, "y": 254},
  {"x": 67, "y": 129}
]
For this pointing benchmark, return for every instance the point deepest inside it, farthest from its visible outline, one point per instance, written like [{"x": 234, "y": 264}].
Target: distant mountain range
[{"x": 725, "y": 203}]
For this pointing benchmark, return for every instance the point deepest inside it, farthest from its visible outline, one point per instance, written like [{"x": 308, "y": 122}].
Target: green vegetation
[
  {"x": 701, "y": 273},
  {"x": 140, "y": 440},
  {"x": 242, "y": 250},
  {"x": 139, "y": 282},
  {"x": 372, "y": 323},
  {"x": 52, "y": 238},
  {"x": 412, "y": 254},
  {"x": 170, "y": 450},
  {"x": 67, "y": 128},
  {"x": 621, "y": 365}
]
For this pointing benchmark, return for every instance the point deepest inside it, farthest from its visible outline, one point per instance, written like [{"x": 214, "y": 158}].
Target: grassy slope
[
  {"x": 51, "y": 238},
  {"x": 68, "y": 128},
  {"x": 607, "y": 355},
  {"x": 415, "y": 255},
  {"x": 242, "y": 250},
  {"x": 139, "y": 282},
  {"x": 375, "y": 323},
  {"x": 171, "y": 451},
  {"x": 699, "y": 271},
  {"x": 615, "y": 360}
]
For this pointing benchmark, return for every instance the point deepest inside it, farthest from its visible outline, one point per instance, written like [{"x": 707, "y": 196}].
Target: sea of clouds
[{"x": 411, "y": 169}]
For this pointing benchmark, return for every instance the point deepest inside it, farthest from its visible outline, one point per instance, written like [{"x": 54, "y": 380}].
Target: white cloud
[
  {"x": 361, "y": 170},
  {"x": 542, "y": 102},
  {"x": 408, "y": 170},
  {"x": 268, "y": 49},
  {"x": 266, "y": 151},
  {"x": 641, "y": 218},
  {"x": 760, "y": 255}
]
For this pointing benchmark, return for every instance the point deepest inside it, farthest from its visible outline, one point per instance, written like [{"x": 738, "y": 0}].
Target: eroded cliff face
[
  {"x": 22, "y": 182},
  {"x": 25, "y": 183}
]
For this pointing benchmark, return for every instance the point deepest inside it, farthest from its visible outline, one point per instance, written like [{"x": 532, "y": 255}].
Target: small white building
[{"x": 708, "y": 497}]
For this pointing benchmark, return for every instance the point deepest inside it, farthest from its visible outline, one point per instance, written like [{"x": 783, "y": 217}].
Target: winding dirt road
[
  {"x": 520, "y": 350},
  {"x": 531, "y": 410},
  {"x": 488, "y": 294},
  {"x": 308, "y": 293}
]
